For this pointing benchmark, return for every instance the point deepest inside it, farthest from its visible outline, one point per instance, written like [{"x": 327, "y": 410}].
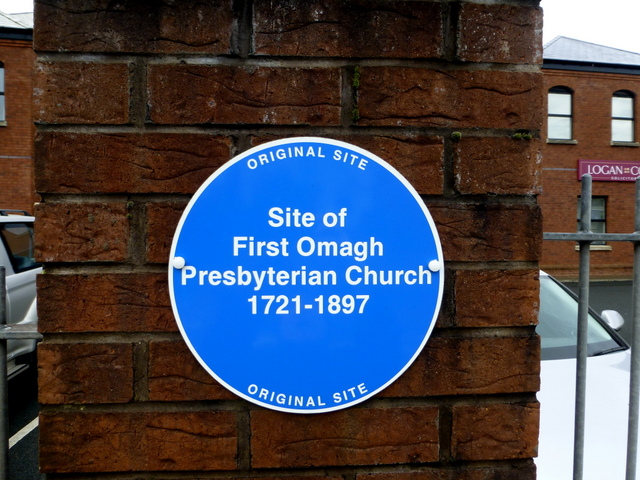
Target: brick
[
  {"x": 85, "y": 373},
  {"x": 592, "y": 131},
  {"x": 418, "y": 158},
  {"x": 194, "y": 96},
  {"x": 332, "y": 28},
  {"x": 175, "y": 375},
  {"x": 16, "y": 134},
  {"x": 465, "y": 472},
  {"x": 116, "y": 302},
  {"x": 89, "y": 232},
  {"x": 396, "y": 96},
  {"x": 162, "y": 27},
  {"x": 137, "y": 441},
  {"x": 519, "y": 288},
  {"x": 498, "y": 166},
  {"x": 489, "y": 232},
  {"x": 253, "y": 475},
  {"x": 231, "y": 95},
  {"x": 163, "y": 219},
  {"x": 132, "y": 163},
  {"x": 81, "y": 93},
  {"x": 356, "y": 436},
  {"x": 494, "y": 432},
  {"x": 500, "y": 33},
  {"x": 471, "y": 366}
]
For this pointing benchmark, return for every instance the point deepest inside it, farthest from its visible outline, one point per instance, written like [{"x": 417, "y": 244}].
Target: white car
[
  {"x": 17, "y": 256},
  {"x": 607, "y": 400}
]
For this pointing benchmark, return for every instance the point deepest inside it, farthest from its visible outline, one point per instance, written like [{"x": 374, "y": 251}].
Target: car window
[
  {"x": 558, "y": 325},
  {"x": 18, "y": 238}
]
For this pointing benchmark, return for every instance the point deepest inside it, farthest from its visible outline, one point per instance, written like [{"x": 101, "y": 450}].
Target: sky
[
  {"x": 16, "y": 6},
  {"x": 613, "y": 23}
]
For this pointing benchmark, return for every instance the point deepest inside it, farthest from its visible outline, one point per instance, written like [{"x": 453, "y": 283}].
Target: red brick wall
[
  {"x": 561, "y": 187},
  {"x": 16, "y": 134},
  {"x": 137, "y": 111}
]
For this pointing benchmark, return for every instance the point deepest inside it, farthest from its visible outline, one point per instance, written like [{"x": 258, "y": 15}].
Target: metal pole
[
  {"x": 634, "y": 387},
  {"x": 583, "y": 313},
  {"x": 585, "y": 237},
  {"x": 4, "y": 395}
]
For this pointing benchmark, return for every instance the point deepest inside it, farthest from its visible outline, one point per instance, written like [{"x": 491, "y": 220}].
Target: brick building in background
[
  {"x": 591, "y": 127},
  {"x": 135, "y": 112},
  {"x": 16, "y": 123}
]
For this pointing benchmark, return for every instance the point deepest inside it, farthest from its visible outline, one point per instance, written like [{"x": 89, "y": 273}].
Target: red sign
[{"x": 609, "y": 170}]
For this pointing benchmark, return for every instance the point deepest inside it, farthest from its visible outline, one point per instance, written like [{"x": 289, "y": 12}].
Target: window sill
[
  {"x": 597, "y": 248},
  {"x": 561, "y": 142},
  {"x": 625, "y": 144},
  {"x": 3, "y": 124}
]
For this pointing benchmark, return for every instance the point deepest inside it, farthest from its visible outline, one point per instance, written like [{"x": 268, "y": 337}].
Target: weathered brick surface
[
  {"x": 85, "y": 373},
  {"x": 494, "y": 432},
  {"x": 459, "y": 99},
  {"x": 91, "y": 232},
  {"x": 358, "y": 436},
  {"x": 161, "y": 27},
  {"x": 484, "y": 165},
  {"x": 136, "y": 112},
  {"x": 175, "y": 375},
  {"x": 134, "y": 163},
  {"x": 500, "y": 33},
  {"x": 494, "y": 472},
  {"x": 471, "y": 366},
  {"x": 116, "y": 302},
  {"x": 293, "y": 476},
  {"x": 418, "y": 158},
  {"x": 163, "y": 219},
  {"x": 137, "y": 441},
  {"x": 357, "y": 29},
  {"x": 490, "y": 232},
  {"x": 258, "y": 95},
  {"x": 83, "y": 93},
  {"x": 472, "y": 288}
]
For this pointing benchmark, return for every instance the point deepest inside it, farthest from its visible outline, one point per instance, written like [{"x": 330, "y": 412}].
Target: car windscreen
[
  {"x": 19, "y": 242},
  {"x": 558, "y": 325}
]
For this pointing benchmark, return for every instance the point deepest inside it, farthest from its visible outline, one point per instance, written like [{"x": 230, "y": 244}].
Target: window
[
  {"x": 622, "y": 119},
  {"x": 598, "y": 216},
  {"x": 560, "y": 111},
  {"x": 557, "y": 325},
  {"x": 2, "y": 115},
  {"x": 18, "y": 238}
]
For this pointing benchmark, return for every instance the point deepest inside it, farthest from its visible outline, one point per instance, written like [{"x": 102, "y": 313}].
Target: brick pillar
[{"x": 138, "y": 103}]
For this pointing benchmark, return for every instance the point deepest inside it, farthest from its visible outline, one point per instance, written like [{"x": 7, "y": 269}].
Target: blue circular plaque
[{"x": 306, "y": 275}]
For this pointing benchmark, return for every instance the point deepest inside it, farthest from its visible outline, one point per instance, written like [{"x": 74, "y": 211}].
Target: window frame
[
  {"x": 616, "y": 119},
  {"x": 3, "y": 103},
  {"x": 560, "y": 90},
  {"x": 595, "y": 221}
]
